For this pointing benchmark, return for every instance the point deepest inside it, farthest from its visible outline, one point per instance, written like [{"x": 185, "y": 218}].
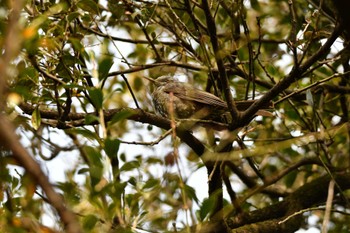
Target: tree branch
[
  {"x": 219, "y": 61},
  {"x": 78, "y": 119},
  {"x": 11, "y": 142},
  {"x": 8, "y": 138},
  {"x": 294, "y": 75},
  {"x": 268, "y": 219}
]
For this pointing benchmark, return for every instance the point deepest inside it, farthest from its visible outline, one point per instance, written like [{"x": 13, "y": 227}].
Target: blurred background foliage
[{"x": 88, "y": 56}]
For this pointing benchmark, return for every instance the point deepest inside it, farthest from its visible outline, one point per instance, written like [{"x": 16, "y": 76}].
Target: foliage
[{"x": 74, "y": 86}]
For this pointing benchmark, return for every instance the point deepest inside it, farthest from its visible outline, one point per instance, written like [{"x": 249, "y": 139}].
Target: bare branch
[
  {"x": 219, "y": 61},
  {"x": 294, "y": 75}
]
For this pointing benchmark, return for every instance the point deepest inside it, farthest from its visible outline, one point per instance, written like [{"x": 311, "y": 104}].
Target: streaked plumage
[{"x": 189, "y": 102}]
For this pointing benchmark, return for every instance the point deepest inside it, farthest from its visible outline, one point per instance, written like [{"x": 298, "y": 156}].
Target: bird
[{"x": 171, "y": 97}]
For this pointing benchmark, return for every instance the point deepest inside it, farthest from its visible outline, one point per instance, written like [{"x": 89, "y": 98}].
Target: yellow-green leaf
[{"x": 36, "y": 119}]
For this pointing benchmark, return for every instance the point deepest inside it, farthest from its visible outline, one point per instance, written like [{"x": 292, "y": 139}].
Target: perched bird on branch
[{"x": 171, "y": 97}]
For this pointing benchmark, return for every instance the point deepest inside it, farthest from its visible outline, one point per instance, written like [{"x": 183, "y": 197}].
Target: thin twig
[
  {"x": 220, "y": 63},
  {"x": 310, "y": 86},
  {"x": 293, "y": 34},
  {"x": 141, "y": 24},
  {"x": 328, "y": 206},
  {"x": 44, "y": 73},
  {"x": 130, "y": 90},
  {"x": 251, "y": 56},
  {"x": 125, "y": 40},
  {"x": 294, "y": 75},
  {"x": 152, "y": 143}
]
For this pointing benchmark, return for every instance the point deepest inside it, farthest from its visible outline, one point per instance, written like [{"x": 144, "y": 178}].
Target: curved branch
[{"x": 78, "y": 119}]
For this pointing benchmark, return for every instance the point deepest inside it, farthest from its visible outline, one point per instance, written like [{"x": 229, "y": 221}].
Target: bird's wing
[{"x": 189, "y": 93}]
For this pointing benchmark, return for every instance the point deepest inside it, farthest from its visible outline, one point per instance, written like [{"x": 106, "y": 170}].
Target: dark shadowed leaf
[
  {"x": 103, "y": 67},
  {"x": 112, "y": 147},
  {"x": 96, "y": 97},
  {"x": 90, "y": 222}
]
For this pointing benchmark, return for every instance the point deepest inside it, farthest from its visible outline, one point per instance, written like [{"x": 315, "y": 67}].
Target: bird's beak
[{"x": 149, "y": 79}]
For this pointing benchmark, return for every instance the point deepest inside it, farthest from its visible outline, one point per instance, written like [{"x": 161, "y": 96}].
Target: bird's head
[{"x": 162, "y": 80}]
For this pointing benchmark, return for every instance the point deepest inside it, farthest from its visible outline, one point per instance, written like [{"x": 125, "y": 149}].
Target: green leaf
[
  {"x": 119, "y": 189},
  {"x": 154, "y": 160},
  {"x": 77, "y": 45},
  {"x": 153, "y": 34},
  {"x": 128, "y": 166},
  {"x": 83, "y": 170},
  {"x": 83, "y": 132},
  {"x": 191, "y": 193},
  {"x": 89, "y": 118},
  {"x": 132, "y": 181},
  {"x": 36, "y": 118},
  {"x": 103, "y": 67},
  {"x": 290, "y": 178},
  {"x": 255, "y": 4},
  {"x": 116, "y": 10},
  {"x": 151, "y": 183},
  {"x": 94, "y": 156},
  {"x": 123, "y": 157},
  {"x": 121, "y": 115},
  {"x": 89, "y": 222},
  {"x": 72, "y": 16},
  {"x": 89, "y": 6},
  {"x": 112, "y": 147},
  {"x": 95, "y": 164},
  {"x": 206, "y": 207},
  {"x": 96, "y": 96}
]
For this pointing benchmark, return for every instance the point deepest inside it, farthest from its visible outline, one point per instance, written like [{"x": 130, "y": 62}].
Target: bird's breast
[{"x": 166, "y": 104}]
